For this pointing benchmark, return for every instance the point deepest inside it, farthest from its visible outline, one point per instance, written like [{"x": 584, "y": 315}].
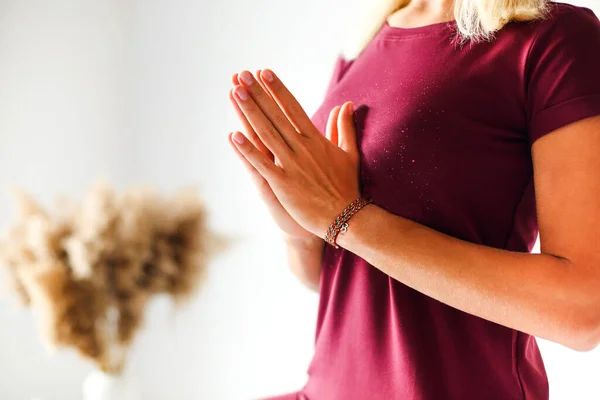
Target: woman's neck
[{"x": 422, "y": 12}]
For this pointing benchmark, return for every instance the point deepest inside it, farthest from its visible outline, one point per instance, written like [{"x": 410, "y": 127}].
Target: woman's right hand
[
  {"x": 282, "y": 218},
  {"x": 290, "y": 228}
]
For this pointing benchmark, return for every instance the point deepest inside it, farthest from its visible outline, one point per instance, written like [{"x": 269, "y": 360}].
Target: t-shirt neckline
[{"x": 394, "y": 31}]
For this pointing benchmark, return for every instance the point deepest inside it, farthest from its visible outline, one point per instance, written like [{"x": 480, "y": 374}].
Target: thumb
[
  {"x": 332, "y": 132},
  {"x": 346, "y": 130}
]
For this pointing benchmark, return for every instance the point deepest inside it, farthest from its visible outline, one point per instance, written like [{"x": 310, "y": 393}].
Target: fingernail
[
  {"x": 241, "y": 93},
  {"x": 247, "y": 77},
  {"x": 351, "y": 108},
  {"x": 268, "y": 75},
  {"x": 239, "y": 138}
]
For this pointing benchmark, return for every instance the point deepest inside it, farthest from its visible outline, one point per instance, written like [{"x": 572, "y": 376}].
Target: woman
[{"x": 465, "y": 145}]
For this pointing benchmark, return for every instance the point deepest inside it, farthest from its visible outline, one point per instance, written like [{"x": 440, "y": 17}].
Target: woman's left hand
[{"x": 313, "y": 176}]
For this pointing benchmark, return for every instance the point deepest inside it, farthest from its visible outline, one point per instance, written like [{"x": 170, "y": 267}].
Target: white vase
[{"x": 99, "y": 385}]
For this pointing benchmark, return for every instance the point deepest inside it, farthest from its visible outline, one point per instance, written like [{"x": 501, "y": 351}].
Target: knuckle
[
  {"x": 279, "y": 118},
  {"x": 272, "y": 132},
  {"x": 296, "y": 109},
  {"x": 258, "y": 93},
  {"x": 264, "y": 164}
]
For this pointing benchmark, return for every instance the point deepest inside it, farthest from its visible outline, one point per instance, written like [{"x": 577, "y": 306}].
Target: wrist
[
  {"x": 341, "y": 223},
  {"x": 362, "y": 225}
]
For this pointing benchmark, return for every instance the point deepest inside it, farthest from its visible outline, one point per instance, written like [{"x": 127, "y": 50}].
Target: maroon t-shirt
[{"x": 445, "y": 137}]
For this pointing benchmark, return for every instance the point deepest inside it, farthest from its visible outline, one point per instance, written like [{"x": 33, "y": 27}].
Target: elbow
[
  {"x": 583, "y": 317},
  {"x": 589, "y": 342},
  {"x": 583, "y": 344},
  {"x": 584, "y": 336}
]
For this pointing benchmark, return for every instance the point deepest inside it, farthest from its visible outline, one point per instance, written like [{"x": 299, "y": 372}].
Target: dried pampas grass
[{"x": 89, "y": 270}]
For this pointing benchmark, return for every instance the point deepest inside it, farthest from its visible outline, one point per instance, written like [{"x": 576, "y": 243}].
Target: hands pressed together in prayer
[{"x": 304, "y": 177}]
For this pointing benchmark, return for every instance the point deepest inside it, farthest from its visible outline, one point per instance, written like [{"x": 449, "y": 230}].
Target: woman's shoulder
[
  {"x": 558, "y": 9},
  {"x": 564, "y": 31},
  {"x": 562, "y": 68},
  {"x": 564, "y": 19}
]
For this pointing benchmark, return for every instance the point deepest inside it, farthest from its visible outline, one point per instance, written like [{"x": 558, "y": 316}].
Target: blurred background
[{"x": 136, "y": 92}]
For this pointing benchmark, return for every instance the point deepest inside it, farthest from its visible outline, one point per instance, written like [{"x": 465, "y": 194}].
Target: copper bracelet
[{"x": 341, "y": 221}]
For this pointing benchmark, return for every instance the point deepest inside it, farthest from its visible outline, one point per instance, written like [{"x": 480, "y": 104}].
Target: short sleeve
[{"x": 563, "y": 71}]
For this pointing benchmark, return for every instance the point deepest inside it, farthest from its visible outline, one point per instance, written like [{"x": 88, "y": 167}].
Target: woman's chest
[{"x": 430, "y": 138}]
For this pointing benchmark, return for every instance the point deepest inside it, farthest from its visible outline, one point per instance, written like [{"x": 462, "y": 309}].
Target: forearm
[
  {"x": 540, "y": 294},
  {"x": 304, "y": 258}
]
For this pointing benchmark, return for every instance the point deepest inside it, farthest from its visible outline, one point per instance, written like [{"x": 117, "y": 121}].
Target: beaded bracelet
[{"x": 341, "y": 221}]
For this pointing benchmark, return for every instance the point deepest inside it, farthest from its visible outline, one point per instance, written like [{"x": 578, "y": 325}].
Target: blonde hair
[{"x": 475, "y": 19}]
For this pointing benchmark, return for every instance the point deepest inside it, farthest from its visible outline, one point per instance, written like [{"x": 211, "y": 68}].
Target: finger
[
  {"x": 265, "y": 167},
  {"x": 252, "y": 136},
  {"x": 346, "y": 130},
  {"x": 331, "y": 132},
  {"x": 262, "y": 84},
  {"x": 261, "y": 183},
  {"x": 270, "y": 109},
  {"x": 288, "y": 103},
  {"x": 235, "y": 79},
  {"x": 263, "y": 127}
]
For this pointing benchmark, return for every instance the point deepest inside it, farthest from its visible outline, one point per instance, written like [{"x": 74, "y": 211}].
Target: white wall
[
  {"x": 137, "y": 91},
  {"x": 62, "y": 66}
]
